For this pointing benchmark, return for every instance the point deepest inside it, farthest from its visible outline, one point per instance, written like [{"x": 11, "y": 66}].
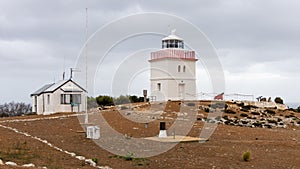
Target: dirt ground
[{"x": 270, "y": 148}]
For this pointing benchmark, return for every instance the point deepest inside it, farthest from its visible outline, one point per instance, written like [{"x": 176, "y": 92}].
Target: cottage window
[
  {"x": 76, "y": 98},
  {"x": 48, "y": 99},
  {"x": 183, "y": 68},
  {"x": 178, "y": 68},
  {"x": 70, "y": 99}
]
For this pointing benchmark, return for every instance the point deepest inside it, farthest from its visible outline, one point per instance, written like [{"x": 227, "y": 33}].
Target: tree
[
  {"x": 91, "y": 102},
  {"x": 14, "y": 109},
  {"x": 122, "y": 100},
  {"x": 278, "y": 100},
  {"x": 298, "y": 109},
  {"x": 104, "y": 100}
]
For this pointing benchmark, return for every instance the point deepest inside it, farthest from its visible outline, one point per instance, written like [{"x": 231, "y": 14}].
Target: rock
[
  {"x": 1, "y": 162},
  {"x": 80, "y": 157},
  {"x": 28, "y": 165},
  {"x": 294, "y": 139},
  {"x": 90, "y": 162},
  {"x": 73, "y": 154},
  {"x": 11, "y": 163}
]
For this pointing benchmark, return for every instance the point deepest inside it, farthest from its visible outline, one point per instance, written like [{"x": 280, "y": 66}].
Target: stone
[
  {"x": 80, "y": 157},
  {"x": 28, "y": 165},
  {"x": 1, "y": 162},
  {"x": 11, "y": 163},
  {"x": 90, "y": 162}
]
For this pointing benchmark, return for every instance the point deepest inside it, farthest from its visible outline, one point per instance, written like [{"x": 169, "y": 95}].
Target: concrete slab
[{"x": 172, "y": 139}]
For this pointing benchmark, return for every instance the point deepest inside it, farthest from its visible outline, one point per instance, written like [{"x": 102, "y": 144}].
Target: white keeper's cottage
[
  {"x": 173, "y": 71},
  {"x": 62, "y": 96}
]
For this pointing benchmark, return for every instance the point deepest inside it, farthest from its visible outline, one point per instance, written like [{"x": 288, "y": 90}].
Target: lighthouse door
[{"x": 181, "y": 91}]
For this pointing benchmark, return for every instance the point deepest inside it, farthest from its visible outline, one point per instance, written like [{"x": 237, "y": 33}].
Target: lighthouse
[{"x": 173, "y": 71}]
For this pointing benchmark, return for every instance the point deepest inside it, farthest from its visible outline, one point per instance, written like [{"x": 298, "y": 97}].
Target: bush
[
  {"x": 14, "y": 109},
  {"x": 298, "y": 109},
  {"x": 91, "y": 102},
  {"x": 190, "y": 104},
  {"x": 104, "y": 100},
  {"x": 219, "y": 105},
  {"x": 121, "y": 100},
  {"x": 278, "y": 100},
  {"x": 246, "y": 156},
  {"x": 95, "y": 160}
]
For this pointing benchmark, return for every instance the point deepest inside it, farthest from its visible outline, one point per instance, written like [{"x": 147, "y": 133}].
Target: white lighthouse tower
[{"x": 173, "y": 71}]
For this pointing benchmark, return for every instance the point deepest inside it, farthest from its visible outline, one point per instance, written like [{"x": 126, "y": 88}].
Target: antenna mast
[{"x": 86, "y": 68}]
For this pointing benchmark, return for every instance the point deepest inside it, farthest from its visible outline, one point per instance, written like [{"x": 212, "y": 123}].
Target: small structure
[
  {"x": 93, "y": 132},
  {"x": 162, "y": 130},
  {"x": 62, "y": 96}
]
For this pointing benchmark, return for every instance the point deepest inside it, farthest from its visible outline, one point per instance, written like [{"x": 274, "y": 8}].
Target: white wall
[
  {"x": 55, "y": 101},
  {"x": 165, "y": 72}
]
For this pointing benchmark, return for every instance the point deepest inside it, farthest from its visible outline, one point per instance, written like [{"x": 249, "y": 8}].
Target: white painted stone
[
  {"x": 90, "y": 162},
  {"x": 1, "y": 162},
  {"x": 28, "y": 165},
  {"x": 11, "y": 163},
  {"x": 80, "y": 157}
]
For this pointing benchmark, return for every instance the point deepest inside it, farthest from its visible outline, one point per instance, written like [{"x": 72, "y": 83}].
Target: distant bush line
[
  {"x": 15, "y": 109},
  {"x": 104, "y": 100}
]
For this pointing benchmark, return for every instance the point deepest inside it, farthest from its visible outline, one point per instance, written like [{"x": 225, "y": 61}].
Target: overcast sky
[{"x": 258, "y": 42}]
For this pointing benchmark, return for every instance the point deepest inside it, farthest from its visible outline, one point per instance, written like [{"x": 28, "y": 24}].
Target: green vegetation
[
  {"x": 246, "y": 156},
  {"x": 95, "y": 160},
  {"x": 190, "y": 104},
  {"x": 91, "y": 102},
  {"x": 135, "y": 161},
  {"x": 104, "y": 100},
  {"x": 15, "y": 109},
  {"x": 220, "y": 105},
  {"x": 18, "y": 151},
  {"x": 278, "y": 100}
]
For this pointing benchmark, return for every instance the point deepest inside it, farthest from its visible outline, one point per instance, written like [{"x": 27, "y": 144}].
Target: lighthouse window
[
  {"x": 178, "y": 68},
  {"x": 172, "y": 44},
  {"x": 158, "y": 86},
  {"x": 183, "y": 69}
]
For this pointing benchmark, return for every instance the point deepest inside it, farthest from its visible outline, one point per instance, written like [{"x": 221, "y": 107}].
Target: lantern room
[{"x": 172, "y": 41}]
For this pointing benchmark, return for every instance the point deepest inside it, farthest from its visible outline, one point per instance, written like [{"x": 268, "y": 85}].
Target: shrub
[
  {"x": 104, "y": 100},
  {"x": 95, "y": 160},
  {"x": 219, "y": 105},
  {"x": 246, "y": 156},
  {"x": 278, "y": 100},
  {"x": 190, "y": 104}
]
